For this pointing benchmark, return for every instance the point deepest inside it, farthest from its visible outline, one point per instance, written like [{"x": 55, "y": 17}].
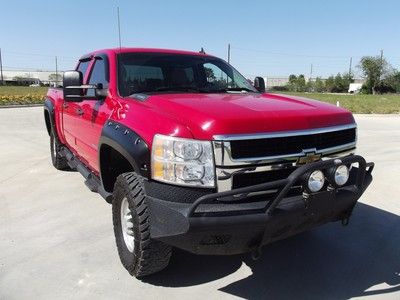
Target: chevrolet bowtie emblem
[{"x": 309, "y": 157}]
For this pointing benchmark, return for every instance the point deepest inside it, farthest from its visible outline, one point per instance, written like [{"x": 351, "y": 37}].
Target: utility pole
[
  {"x": 229, "y": 53},
  {"x": 119, "y": 28},
  {"x": 311, "y": 70},
  {"x": 381, "y": 66},
  {"x": 351, "y": 61},
  {"x": 56, "y": 83},
  {"x": 1, "y": 69}
]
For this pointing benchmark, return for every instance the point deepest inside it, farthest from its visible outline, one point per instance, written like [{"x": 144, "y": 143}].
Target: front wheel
[
  {"x": 139, "y": 254},
  {"x": 59, "y": 162}
]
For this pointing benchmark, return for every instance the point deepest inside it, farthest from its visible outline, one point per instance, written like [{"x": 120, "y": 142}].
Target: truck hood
[{"x": 206, "y": 115}]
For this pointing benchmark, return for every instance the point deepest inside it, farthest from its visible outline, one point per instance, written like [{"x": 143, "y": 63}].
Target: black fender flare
[
  {"x": 49, "y": 108},
  {"x": 129, "y": 144}
]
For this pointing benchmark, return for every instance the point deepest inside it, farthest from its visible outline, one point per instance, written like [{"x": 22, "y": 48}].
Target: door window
[
  {"x": 98, "y": 75},
  {"x": 83, "y": 67}
]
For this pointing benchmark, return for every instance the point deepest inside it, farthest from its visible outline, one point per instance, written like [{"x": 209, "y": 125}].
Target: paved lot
[{"x": 56, "y": 239}]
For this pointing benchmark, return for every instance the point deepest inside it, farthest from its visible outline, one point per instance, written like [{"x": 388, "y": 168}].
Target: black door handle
[
  {"x": 65, "y": 105},
  {"x": 79, "y": 111}
]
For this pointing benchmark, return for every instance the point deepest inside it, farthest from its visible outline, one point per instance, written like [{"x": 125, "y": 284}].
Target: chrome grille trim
[
  {"x": 226, "y": 166},
  {"x": 224, "y": 176},
  {"x": 237, "y": 137},
  {"x": 223, "y": 154}
]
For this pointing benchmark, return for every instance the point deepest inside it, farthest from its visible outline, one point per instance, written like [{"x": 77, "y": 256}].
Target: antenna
[
  {"x": 229, "y": 53},
  {"x": 119, "y": 28}
]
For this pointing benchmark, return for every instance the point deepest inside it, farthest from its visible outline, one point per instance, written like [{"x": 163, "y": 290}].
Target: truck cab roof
[{"x": 142, "y": 50}]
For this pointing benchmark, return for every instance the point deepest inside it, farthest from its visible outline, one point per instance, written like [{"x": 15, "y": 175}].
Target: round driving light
[
  {"x": 316, "y": 181},
  {"x": 341, "y": 175}
]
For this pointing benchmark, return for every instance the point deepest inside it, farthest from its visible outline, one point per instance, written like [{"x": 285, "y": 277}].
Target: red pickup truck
[{"x": 191, "y": 155}]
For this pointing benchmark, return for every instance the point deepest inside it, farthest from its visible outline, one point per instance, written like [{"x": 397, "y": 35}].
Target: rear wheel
[
  {"x": 139, "y": 254},
  {"x": 59, "y": 162}
]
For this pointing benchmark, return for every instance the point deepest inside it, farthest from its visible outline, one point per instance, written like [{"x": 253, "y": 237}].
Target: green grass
[
  {"x": 360, "y": 104},
  {"x": 22, "y": 90},
  {"x": 11, "y": 95}
]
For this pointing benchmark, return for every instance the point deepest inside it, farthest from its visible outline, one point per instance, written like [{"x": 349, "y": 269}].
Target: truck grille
[
  {"x": 279, "y": 146},
  {"x": 246, "y": 179}
]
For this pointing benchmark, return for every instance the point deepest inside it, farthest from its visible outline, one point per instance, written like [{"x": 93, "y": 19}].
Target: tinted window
[
  {"x": 163, "y": 73},
  {"x": 83, "y": 67},
  {"x": 98, "y": 75},
  {"x": 137, "y": 76}
]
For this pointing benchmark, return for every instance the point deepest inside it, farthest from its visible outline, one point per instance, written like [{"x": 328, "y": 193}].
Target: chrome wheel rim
[{"x": 127, "y": 225}]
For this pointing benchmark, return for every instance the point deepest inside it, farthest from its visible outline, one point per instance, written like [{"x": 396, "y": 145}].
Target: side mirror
[
  {"x": 75, "y": 91},
  {"x": 72, "y": 82},
  {"x": 100, "y": 92},
  {"x": 259, "y": 84}
]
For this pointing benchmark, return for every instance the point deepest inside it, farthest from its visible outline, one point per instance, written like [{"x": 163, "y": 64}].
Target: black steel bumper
[{"x": 221, "y": 223}]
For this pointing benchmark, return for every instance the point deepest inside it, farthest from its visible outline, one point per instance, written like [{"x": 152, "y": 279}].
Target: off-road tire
[
  {"x": 148, "y": 256},
  {"x": 59, "y": 162}
]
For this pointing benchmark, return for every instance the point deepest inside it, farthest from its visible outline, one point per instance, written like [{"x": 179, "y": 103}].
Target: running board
[{"x": 91, "y": 180}]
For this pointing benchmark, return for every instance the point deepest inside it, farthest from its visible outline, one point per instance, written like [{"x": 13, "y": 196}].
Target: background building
[{"x": 24, "y": 77}]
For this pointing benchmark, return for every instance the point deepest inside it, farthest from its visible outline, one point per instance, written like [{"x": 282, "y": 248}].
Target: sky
[{"x": 267, "y": 38}]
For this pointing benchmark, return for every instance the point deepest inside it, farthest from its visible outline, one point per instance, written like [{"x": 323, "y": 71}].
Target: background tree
[
  {"x": 301, "y": 83},
  {"x": 292, "y": 78},
  {"x": 393, "y": 81},
  {"x": 347, "y": 79},
  {"x": 339, "y": 84},
  {"x": 374, "y": 68},
  {"x": 330, "y": 84},
  {"x": 319, "y": 85},
  {"x": 292, "y": 85},
  {"x": 55, "y": 77},
  {"x": 310, "y": 86}
]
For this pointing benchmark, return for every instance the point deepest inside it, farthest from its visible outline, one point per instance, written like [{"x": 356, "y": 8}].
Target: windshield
[{"x": 161, "y": 73}]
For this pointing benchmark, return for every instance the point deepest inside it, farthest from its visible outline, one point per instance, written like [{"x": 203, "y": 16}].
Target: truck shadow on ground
[{"x": 330, "y": 262}]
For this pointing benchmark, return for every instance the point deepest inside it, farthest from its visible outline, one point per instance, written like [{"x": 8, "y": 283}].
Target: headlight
[
  {"x": 341, "y": 175},
  {"x": 316, "y": 181},
  {"x": 182, "y": 161}
]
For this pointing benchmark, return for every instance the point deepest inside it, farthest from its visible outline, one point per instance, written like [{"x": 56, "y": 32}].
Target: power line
[
  {"x": 289, "y": 54},
  {"x": 35, "y": 54},
  {"x": 22, "y": 69}
]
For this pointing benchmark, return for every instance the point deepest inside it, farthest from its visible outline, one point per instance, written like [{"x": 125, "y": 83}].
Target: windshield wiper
[
  {"x": 239, "y": 89},
  {"x": 177, "y": 88},
  {"x": 231, "y": 89}
]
